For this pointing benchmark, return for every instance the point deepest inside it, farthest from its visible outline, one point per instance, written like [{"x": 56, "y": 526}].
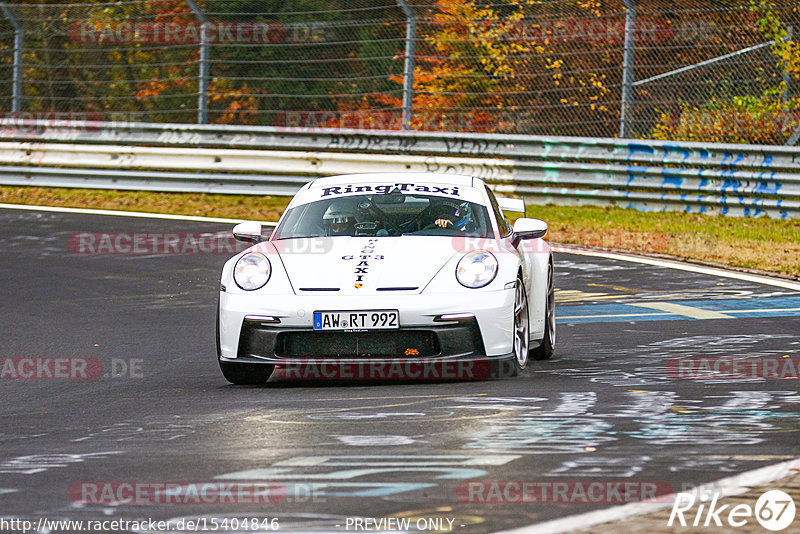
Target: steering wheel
[
  {"x": 367, "y": 205},
  {"x": 417, "y": 219},
  {"x": 446, "y": 230}
]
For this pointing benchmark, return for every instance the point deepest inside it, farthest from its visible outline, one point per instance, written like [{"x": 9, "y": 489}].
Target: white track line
[
  {"x": 680, "y": 309},
  {"x": 734, "y": 485},
  {"x": 713, "y": 271},
  {"x": 114, "y": 213},
  {"x": 557, "y": 248}
]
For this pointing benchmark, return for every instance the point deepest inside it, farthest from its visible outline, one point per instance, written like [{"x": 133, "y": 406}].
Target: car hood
[{"x": 363, "y": 265}]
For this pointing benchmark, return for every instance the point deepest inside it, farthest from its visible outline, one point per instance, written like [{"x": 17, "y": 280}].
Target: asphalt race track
[{"x": 611, "y": 407}]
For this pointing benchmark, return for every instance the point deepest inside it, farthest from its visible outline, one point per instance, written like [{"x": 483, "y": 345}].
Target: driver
[
  {"x": 339, "y": 218},
  {"x": 457, "y": 217}
]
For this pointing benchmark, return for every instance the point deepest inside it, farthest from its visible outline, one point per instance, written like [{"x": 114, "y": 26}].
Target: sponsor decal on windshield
[{"x": 386, "y": 188}]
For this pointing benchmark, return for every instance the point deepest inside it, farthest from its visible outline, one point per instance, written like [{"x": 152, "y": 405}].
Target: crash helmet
[
  {"x": 339, "y": 218},
  {"x": 463, "y": 215},
  {"x": 458, "y": 213}
]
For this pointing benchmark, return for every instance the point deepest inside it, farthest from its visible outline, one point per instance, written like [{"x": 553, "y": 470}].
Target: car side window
[{"x": 502, "y": 223}]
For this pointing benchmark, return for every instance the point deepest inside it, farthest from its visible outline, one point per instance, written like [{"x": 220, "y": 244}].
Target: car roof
[{"x": 378, "y": 177}]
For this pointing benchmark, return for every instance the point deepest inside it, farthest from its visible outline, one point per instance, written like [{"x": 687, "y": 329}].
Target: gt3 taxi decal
[{"x": 366, "y": 254}]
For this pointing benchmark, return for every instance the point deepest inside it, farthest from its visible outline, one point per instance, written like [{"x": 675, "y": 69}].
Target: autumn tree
[
  {"x": 480, "y": 68},
  {"x": 746, "y": 98}
]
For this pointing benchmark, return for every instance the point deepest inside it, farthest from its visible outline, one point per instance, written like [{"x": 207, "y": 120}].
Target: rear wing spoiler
[{"x": 511, "y": 204}]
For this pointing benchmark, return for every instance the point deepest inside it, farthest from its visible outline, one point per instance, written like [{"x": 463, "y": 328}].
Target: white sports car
[{"x": 388, "y": 276}]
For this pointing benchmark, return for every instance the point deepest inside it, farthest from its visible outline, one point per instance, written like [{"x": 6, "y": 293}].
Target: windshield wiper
[{"x": 298, "y": 237}]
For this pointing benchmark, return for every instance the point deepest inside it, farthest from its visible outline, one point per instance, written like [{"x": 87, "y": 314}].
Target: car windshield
[{"x": 384, "y": 215}]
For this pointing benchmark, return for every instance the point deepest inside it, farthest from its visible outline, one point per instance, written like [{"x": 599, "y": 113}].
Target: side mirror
[
  {"x": 248, "y": 231},
  {"x": 528, "y": 229}
]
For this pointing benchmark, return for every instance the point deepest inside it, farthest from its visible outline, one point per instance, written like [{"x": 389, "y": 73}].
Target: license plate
[{"x": 356, "y": 320}]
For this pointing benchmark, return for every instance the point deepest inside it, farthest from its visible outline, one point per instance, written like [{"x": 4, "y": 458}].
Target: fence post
[
  {"x": 787, "y": 76},
  {"x": 408, "y": 69},
  {"x": 16, "y": 84},
  {"x": 202, "y": 82},
  {"x": 628, "y": 94}
]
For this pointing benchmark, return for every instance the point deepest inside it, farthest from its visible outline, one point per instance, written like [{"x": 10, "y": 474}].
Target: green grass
[
  {"x": 261, "y": 208},
  {"x": 762, "y": 244}
]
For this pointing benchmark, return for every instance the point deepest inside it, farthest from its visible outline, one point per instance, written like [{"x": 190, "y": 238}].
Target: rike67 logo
[{"x": 774, "y": 510}]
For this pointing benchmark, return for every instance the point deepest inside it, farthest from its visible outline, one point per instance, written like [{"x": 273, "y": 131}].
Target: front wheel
[
  {"x": 545, "y": 350},
  {"x": 246, "y": 374},
  {"x": 521, "y": 329}
]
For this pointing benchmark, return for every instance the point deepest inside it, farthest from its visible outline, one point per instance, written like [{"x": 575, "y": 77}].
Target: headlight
[
  {"x": 252, "y": 271},
  {"x": 476, "y": 269}
]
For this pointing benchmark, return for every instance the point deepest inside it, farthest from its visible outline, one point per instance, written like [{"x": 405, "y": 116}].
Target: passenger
[
  {"x": 457, "y": 217},
  {"x": 339, "y": 219}
]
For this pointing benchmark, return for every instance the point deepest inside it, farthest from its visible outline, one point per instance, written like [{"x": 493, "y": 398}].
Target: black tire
[
  {"x": 219, "y": 349},
  {"x": 521, "y": 342},
  {"x": 246, "y": 374},
  {"x": 545, "y": 350}
]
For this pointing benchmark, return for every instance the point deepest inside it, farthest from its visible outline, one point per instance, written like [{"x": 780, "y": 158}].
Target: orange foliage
[
  {"x": 240, "y": 105},
  {"x": 466, "y": 76}
]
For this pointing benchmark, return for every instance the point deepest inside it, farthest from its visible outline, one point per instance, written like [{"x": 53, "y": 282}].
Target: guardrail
[{"x": 739, "y": 180}]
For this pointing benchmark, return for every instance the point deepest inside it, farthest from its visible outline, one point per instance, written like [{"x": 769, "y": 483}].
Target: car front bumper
[{"x": 275, "y": 329}]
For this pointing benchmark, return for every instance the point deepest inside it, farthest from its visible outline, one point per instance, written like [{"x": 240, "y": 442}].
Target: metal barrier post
[
  {"x": 16, "y": 85},
  {"x": 408, "y": 69},
  {"x": 628, "y": 95},
  {"x": 202, "y": 90},
  {"x": 787, "y": 76}
]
